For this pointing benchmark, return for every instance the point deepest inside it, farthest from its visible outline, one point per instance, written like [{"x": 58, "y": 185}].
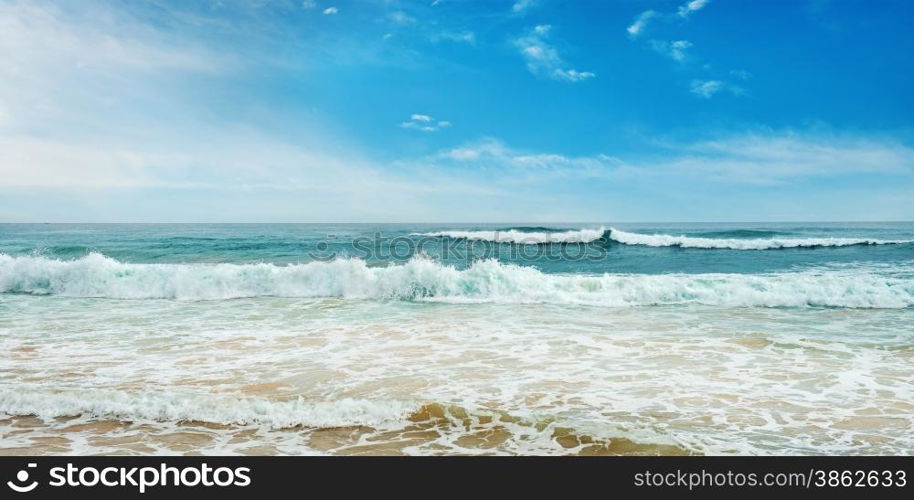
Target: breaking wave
[
  {"x": 730, "y": 240},
  {"x": 525, "y": 235},
  {"x": 389, "y": 423},
  {"x": 667, "y": 240},
  {"x": 422, "y": 279},
  {"x": 172, "y": 407}
]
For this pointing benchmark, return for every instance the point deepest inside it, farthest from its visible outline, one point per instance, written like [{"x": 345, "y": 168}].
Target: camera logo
[{"x": 21, "y": 477}]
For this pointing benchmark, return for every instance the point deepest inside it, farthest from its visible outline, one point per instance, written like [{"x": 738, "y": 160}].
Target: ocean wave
[
  {"x": 533, "y": 229},
  {"x": 530, "y": 236},
  {"x": 668, "y": 240},
  {"x": 174, "y": 407},
  {"x": 741, "y": 233},
  {"x": 725, "y": 240},
  {"x": 422, "y": 279},
  {"x": 387, "y": 424}
]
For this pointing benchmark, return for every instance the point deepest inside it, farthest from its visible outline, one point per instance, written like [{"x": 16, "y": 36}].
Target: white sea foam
[
  {"x": 656, "y": 240},
  {"x": 173, "y": 407},
  {"x": 667, "y": 240},
  {"x": 525, "y": 237},
  {"x": 421, "y": 279}
]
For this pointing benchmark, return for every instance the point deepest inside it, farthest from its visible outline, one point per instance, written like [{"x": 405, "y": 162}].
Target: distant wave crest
[
  {"x": 425, "y": 280},
  {"x": 725, "y": 240},
  {"x": 667, "y": 240},
  {"x": 525, "y": 235}
]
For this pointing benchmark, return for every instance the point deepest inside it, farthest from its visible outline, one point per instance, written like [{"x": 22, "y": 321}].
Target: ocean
[{"x": 428, "y": 339}]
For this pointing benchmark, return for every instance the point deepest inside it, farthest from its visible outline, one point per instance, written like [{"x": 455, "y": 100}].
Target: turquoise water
[
  {"x": 696, "y": 338},
  {"x": 298, "y": 243}
]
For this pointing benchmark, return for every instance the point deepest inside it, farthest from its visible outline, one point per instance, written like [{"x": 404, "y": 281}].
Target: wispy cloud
[
  {"x": 543, "y": 59},
  {"x": 41, "y": 36},
  {"x": 488, "y": 150},
  {"x": 521, "y": 6},
  {"x": 706, "y": 88},
  {"x": 329, "y": 11},
  {"x": 308, "y": 4},
  {"x": 676, "y": 49},
  {"x": 686, "y": 9},
  {"x": 709, "y": 88},
  {"x": 425, "y": 123},
  {"x": 765, "y": 157},
  {"x": 93, "y": 99},
  {"x": 770, "y": 157},
  {"x": 641, "y": 22},
  {"x": 505, "y": 165},
  {"x": 64, "y": 67}
]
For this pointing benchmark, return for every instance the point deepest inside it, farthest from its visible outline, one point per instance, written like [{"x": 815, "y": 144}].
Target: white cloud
[
  {"x": 709, "y": 88},
  {"x": 769, "y": 157},
  {"x": 573, "y": 75},
  {"x": 32, "y": 36},
  {"x": 217, "y": 159},
  {"x": 425, "y": 123},
  {"x": 493, "y": 154},
  {"x": 763, "y": 158},
  {"x": 675, "y": 49},
  {"x": 678, "y": 50},
  {"x": 308, "y": 4},
  {"x": 706, "y": 88},
  {"x": 68, "y": 69},
  {"x": 92, "y": 100},
  {"x": 329, "y": 11},
  {"x": 34, "y": 161},
  {"x": 521, "y": 6},
  {"x": 641, "y": 22},
  {"x": 688, "y": 8},
  {"x": 543, "y": 59}
]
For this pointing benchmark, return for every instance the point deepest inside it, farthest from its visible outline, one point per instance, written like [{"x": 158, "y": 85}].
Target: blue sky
[{"x": 449, "y": 111}]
